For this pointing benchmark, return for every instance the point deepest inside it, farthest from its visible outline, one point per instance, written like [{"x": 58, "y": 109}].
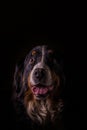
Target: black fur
[{"x": 19, "y": 89}]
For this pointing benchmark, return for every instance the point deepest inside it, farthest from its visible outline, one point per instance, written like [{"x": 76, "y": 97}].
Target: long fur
[
  {"x": 44, "y": 110},
  {"x": 40, "y": 111}
]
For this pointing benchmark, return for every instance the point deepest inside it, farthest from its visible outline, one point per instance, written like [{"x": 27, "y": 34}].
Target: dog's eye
[
  {"x": 33, "y": 52},
  {"x": 50, "y": 52},
  {"x": 32, "y": 60}
]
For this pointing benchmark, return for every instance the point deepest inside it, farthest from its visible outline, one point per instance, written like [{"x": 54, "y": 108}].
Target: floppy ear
[
  {"x": 18, "y": 82},
  {"x": 59, "y": 69}
]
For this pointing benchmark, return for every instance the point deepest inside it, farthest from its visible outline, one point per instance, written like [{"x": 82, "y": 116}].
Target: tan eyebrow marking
[
  {"x": 33, "y": 52},
  {"x": 50, "y": 51}
]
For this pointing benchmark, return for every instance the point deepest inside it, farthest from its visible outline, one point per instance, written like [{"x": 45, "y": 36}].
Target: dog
[{"x": 37, "y": 87}]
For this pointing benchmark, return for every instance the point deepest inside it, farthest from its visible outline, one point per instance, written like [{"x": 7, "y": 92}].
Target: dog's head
[{"x": 38, "y": 82}]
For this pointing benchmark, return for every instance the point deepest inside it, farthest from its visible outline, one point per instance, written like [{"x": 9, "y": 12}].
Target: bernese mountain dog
[{"x": 37, "y": 88}]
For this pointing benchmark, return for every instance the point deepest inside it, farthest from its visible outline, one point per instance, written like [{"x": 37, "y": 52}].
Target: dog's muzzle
[{"x": 41, "y": 82}]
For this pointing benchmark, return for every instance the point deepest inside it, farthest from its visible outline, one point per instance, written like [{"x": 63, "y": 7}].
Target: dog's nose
[{"x": 39, "y": 73}]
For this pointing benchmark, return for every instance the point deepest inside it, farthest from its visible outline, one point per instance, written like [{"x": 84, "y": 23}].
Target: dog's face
[
  {"x": 40, "y": 67},
  {"x": 38, "y": 82}
]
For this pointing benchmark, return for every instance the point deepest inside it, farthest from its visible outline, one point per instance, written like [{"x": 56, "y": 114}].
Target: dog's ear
[
  {"x": 59, "y": 69},
  {"x": 18, "y": 78},
  {"x": 18, "y": 82}
]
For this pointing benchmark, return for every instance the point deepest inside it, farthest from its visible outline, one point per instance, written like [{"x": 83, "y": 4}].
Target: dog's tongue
[{"x": 37, "y": 90}]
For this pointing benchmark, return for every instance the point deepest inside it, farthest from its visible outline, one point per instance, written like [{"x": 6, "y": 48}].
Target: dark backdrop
[{"x": 58, "y": 26}]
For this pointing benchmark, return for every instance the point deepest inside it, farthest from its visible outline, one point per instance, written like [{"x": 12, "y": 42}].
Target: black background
[{"x": 25, "y": 26}]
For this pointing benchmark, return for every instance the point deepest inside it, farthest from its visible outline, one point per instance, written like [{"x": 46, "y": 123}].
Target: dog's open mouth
[{"x": 41, "y": 90}]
